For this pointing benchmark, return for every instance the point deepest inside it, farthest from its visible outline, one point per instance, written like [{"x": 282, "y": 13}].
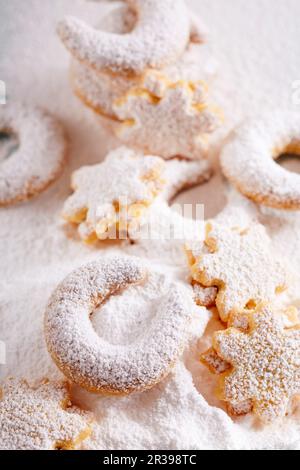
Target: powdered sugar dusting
[{"x": 177, "y": 413}]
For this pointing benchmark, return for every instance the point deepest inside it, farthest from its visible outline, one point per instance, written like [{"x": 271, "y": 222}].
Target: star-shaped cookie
[
  {"x": 265, "y": 363},
  {"x": 41, "y": 417},
  {"x": 113, "y": 195},
  {"x": 176, "y": 120},
  {"x": 242, "y": 265}
]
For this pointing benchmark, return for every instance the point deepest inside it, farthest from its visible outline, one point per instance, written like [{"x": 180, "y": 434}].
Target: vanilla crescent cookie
[
  {"x": 94, "y": 363},
  {"x": 181, "y": 119},
  {"x": 182, "y": 174},
  {"x": 249, "y": 159},
  {"x": 242, "y": 265},
  {"x": 265, "y": 364},
  {"x": 113, "y": 194},
  {"x": 40, "y": 417},
  {"x": 39, "y": 158},
  {"x": 159, "y": 37},
  {"x": 99, "y": 89}
]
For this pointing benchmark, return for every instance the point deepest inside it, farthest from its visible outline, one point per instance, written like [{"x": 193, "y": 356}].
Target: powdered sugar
[{"x": 35, "y": 253}]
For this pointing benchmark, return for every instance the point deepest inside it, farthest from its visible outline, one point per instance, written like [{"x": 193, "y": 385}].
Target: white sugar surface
[{"x": 256, "y": 44}]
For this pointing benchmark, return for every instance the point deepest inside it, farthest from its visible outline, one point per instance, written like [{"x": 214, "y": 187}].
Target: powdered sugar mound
[
  {"x": 36, "y": 254},
  {"x": 284, "y": 229},
  {"x": 112, "y": 321},
  {"x": 159, "y": 37},
  {"x": 163, "y": 234},
  {"x": 153, "y": 418}
]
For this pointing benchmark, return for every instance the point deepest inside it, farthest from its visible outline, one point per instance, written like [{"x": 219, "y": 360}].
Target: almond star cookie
[
  {"x": 169, "y": 121},
  {"x": 241, "y": 264},
  {"x": 113, "y": 194},
  {"x": 265, "y": 364},
  {"x": 41, "y": 417}
]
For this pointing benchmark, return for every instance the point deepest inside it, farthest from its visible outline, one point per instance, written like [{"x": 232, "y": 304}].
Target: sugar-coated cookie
[
  {"x": 181, "y": 119},
  {"x": 242, "y": 265},
  {"x": 265, "y": 364},
  {"x": 94, "y": 363},
  {"x": 113, "y": 195},
  {"x": 160, "y": 35},
  {"x": 39, "y": 158},
  {"x": 40, "y": 417},
  {"x": 249, "y": 159}
]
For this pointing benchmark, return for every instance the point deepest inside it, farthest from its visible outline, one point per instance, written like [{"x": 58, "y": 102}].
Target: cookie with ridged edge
[
  {"x": 242, "y": 265},
  {"x": 181, "y": 118},
  {"x": 265, "y": 363},
  {"x": 112, "y": 195},
  {"x": 40, "y": 417}
]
